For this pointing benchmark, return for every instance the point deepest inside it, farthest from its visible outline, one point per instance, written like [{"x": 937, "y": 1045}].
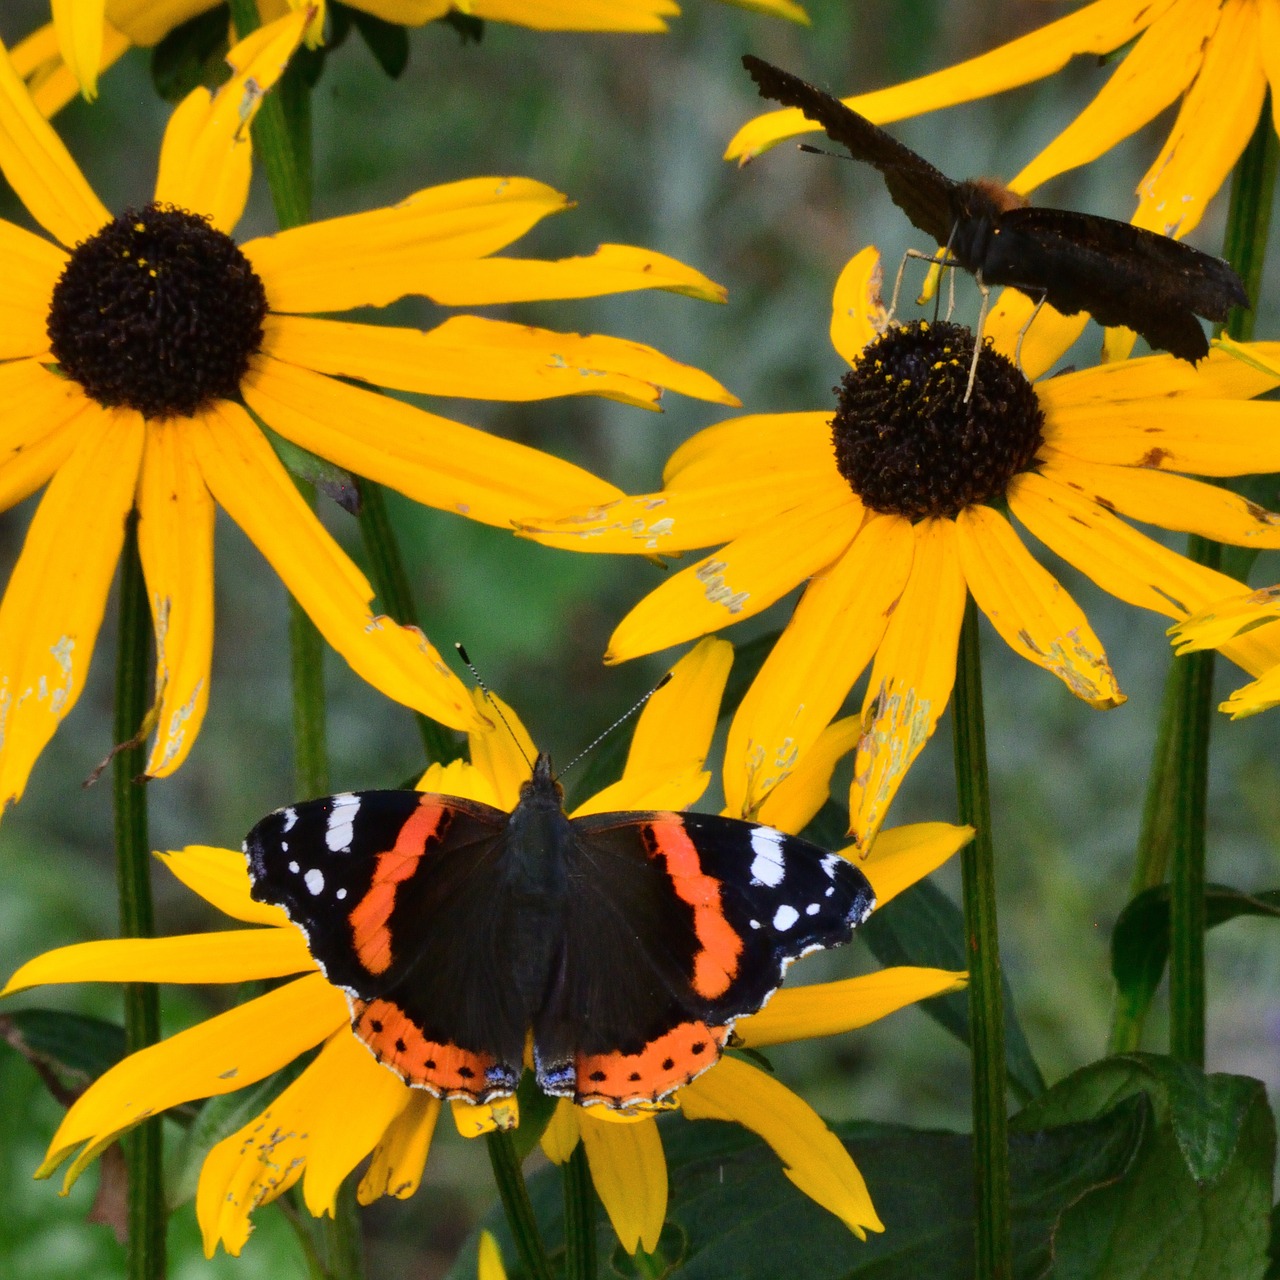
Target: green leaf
[
  {"x": 1196, "y": 1202},
  {"x": 738, "y": 1215},
  {"x": 71, "y": 1043},
  {"x": 388, "y": 42},
  {"x": 192, "y": 54},
  {"x": 1140, "y": 939},
  {"x": 922, "y": 926}
]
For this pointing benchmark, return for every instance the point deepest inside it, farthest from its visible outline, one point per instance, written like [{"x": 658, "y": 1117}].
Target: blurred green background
[{"x": 633, "y": 127}]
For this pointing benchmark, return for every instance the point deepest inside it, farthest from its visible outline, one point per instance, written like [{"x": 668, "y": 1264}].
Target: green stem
[
  {"x": 310, "y": 753},
  {"x": 515, "y": 1203},
  {"x": 386, "y": 567},
  {"x": 142, "y": 1146},
  {"x": 994, "y": 1249},
  {"x": 579, "y": 1218}
]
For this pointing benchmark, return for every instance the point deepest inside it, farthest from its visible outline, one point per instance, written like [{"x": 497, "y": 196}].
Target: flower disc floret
[
  {"x": 910, "y": 444},
  {"x": 159, "y": 311}
]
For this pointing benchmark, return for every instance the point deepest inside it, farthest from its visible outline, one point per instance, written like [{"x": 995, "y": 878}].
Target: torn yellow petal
[
  {"x": 32, "y": 267},
  {"x": 484, "y": 359},
  {"x": 1218, "y": 115},
  {"x": 79, "y": 27},
  {"x": 672, "y": 737},
  {"x": 561, "y": 1135},
  {"x": 45, "y": 418},
  {"x": 858, "y": 316},
  {"x": 1151, "y": 76},
  {"x": 629, "y": 1171},
  {"x": 489, "y": 1259},
  {"x": 458, "y": 778},
  {"x": 812, "y": 1156},
  {"x": 206, "y": 157},
  {"x": 1261, "y": 695},
  {"x": 1097, "y": 28},
  {"x": 175, "y": 541},
  {"x": 474, "y": 1120},
  {"x": 833, "y": 633},
  {"x": 249, "y": 483},
  {"x": 829, "y": 1008},
  {"x": 747, "y": 448},
  {"x": 1044, "y": 334},
  {"x": 219, "y": 1055},
  {"x": 1030, "y": 609},
  {"x": 739, "y": 580},
  {"x": 795, "y": 801},
  {"x": 1225, "y": 619},
  {"x": 236, "y": 955},
  {"x": 401, "y": 1153},
  {"x": 348, "y": 1118},
  {"x": 902, "y": 856},
  {"x": 40, "y": 169},
  {"x": 911, "y": 679},
  {"x": 56, "y": 596},
  {"x": 221, "y": 878},
  {"x": 375, "y": 257},
  {"x": 431, "y": 459},
  {"x": 1169, "y": 501}
]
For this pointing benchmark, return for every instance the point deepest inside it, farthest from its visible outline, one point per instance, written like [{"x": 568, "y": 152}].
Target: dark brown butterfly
[{"x": 1120, "y": 274}]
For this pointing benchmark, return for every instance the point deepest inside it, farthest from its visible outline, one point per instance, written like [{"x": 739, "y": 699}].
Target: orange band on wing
[
  {"x": 716, "y": 964},
  {"x": 673, "y": 1060},
  {"x": 368, "y": 919}
]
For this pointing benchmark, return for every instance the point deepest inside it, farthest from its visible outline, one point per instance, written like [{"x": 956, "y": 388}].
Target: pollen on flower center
[
  {"x": 159, "y": 311},
  {"x": 907, "y": 441}
]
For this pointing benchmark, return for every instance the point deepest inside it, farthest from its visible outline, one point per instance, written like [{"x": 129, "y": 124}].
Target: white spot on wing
[
  {"x": 314, "y": 880},
  {"x": 342, "y": 893},
  {"x": 290, "y": 817},
  {"x": 812, "y": 909},
  {"x": 785, "y": 917},
  {"x": 342, "y": 819},
  {"x": 293, "y": 866},
  {"x": 830, "y": 863},
  {"x": 768, "y": 866}
]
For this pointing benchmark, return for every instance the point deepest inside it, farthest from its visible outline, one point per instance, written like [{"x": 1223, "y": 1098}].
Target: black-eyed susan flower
[
  {"x": 344, "y": 1105},
  {"x": 899, "y": 506},
  {"x": 1215, "y": 57},
  {"x": 138, "y": 354},
  {"x": 87, "y": 36}
]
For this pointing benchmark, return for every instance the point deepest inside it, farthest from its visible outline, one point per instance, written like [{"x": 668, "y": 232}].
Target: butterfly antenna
[
  {"x": 622, "y": 719},
  {"x": 820, "y": 151},
  {"x": 493, "y": 702}
]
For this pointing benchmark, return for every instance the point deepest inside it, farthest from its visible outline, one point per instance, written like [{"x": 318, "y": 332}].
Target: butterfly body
[
  {"x": 625, "y": 945},
  {"x": 1119, "y": 273}
]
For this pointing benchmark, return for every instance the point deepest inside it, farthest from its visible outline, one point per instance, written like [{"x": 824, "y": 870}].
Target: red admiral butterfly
[
  {"x": 627, "y": 943},
  {"x": 1119, "y": 273}
]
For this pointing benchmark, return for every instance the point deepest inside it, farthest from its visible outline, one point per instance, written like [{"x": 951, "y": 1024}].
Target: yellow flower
[
  {"x": 1217, "y": 56},
  {"x": 87, "y": 36},
  {"x": 1222, "y": 622},
  {"x": 344, "y": 1105},
  {"x": 893, "y": 511},
  {"x": 130, "y": 348}
]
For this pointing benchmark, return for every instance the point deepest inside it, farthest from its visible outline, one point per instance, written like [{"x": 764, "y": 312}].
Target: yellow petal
[
  {"x": 1261, "y": 695},
  {"x": 775, "y": 9},
  {"x": 561, "y": 1135},
  {"x": 431, "y": 459},
  {"x": 672, "y": 735},
  {"x": 40, "y": 169},
  {"x": 1215, "y": 121},
  {"x": 221, "y": 878},
  {"x": 1044, "y": 335},
  {"x": 831, "y": 637},
  {"x": 206, "y": 157},
  {"x": 474, "y": 1120},
  {"x": 1150, "y": 77},
  {"x": 1269, "y": 51},
  {"x": 629, "y": 1171},
  {"x": 237, "y": 955},
  {"x": 485, "y": 359},
  {"x": 489, "y": 1259},
  {"x": 401, "y": 1154},
  {"x": 32, "y": 267},
  {"x": 795, "y": 801},
  {"x": 911, "y": 679},
  {"x": 578, "y": 15},
  {"x": 219, "y": 1055},
  {"x": 901, "y": 856},
  {"x": 175, "y": 541},
  {"x": 1130, "y": 565},
  {"x": 373, "y": 258},
  {"x": 812, "y": 1156},
  {"x": 1169, "y": 501},
  {"x": 45, "y": 418},
  {"x": 38, "y": 60},
  {"x": 747, "y": 448},
  {"x": 829, "y": 1008},
  {"x": 858, "y": 316},
  {"x": 502, "y": 752},
  {"x": 1097, "y": 28},
  {"x": 458, "y": 778},
  {"x": 1029, "y": 608},
  {"x": 1226, "y": 619},
  {"x": 147, "y": 22},
  {"x": 739, "y": 580},
  {"x": 53, "y": 606},
  {"x": 250, "y": 484},
  {"x": 79, "y": 27}
]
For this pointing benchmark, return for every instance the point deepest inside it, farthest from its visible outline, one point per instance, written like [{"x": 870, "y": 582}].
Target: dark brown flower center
[
  {"x": 909, "y": 443},
  {"x": 158, "y": 311}
]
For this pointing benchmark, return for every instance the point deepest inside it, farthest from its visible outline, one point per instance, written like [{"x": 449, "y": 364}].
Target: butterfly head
[{"x": 543, "y": 789}]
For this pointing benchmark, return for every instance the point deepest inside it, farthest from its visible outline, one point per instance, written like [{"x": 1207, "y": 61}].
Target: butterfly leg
[
  {"x": 1022, "y": 333},
  {"x": 985, "y": 290},
  {"x": 902, "y": 267}
]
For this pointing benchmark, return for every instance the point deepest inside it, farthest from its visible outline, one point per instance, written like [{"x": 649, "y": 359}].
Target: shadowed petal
[
  {"x": 221, "y": 878},
  {"x": 38, "y": 61},
  {"x": 858, "y": 316},
  {"x": 629, "y": 1171},
  {"x": 1044, "y": 335},
  {"x": 458, "y": 778},
  {"x": 501, "y": 752},
  {"x": 561, "y": 1135},
  {"x": 795, "y": 801},
  {"x": 401, "y": 1154}
]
